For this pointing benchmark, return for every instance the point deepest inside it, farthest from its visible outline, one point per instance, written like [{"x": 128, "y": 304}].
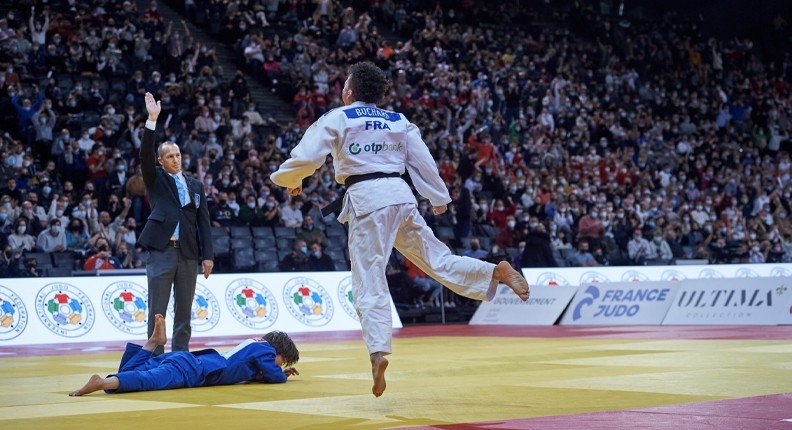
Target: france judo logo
[
  {"x": 346, "y": 299},
  {"x": 205, "y": 309},
  {"x": 591, "y": 294},
  {"x": 251, "y": 303},
  {"x": 780, "y": 272},
  {"x": 125, "y": 305},
  {"x": 13, "y": 315},
  {"x": 65, "y": 310},
  {"x": 308, "y": 302}
]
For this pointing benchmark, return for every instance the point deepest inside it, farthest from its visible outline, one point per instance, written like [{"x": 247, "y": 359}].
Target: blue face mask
[
  {"x": 304, "y": 249},
  {"x": 3, "y": 217}
]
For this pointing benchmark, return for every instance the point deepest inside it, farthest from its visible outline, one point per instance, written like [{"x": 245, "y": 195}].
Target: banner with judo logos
[
  {"x": 734, "y": 301},
  {"x": 110, "y": 308},
  {"x": 621, "y": 303},
  {"x": 543, "y": 308}
]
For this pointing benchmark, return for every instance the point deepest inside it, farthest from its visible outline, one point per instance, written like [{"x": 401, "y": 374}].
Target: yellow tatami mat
[{"x": 432, "y": 380}]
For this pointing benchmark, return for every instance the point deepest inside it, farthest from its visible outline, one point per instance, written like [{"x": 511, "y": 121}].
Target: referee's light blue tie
[{"x": 182, "y": 199}]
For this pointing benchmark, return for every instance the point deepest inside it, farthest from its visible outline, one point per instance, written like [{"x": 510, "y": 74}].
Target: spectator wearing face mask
[
  {"x": 509, "y": 236},
  {"x": 250, "y": 213},
  {"x": 43, "y": 122},
  {"x": 272, "y": 212},
  {"x": 52, "y": 239},
  {"x": 102, "y": 258},
  {"x": 292, "y": 213},
  {"x": 318, "y": 260},
  {"x": 20, "y": 240},
  {"x": 297, "y": 260},
  {"x": 310, "y": 233},
  {"x": 77, "y": 238},
  {"x": 222, "y": 215},
  {"x": 590, "y": 228}
]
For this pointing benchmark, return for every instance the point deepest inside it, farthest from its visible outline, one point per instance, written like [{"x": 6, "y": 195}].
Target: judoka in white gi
[{"x": 371, "y": 147}]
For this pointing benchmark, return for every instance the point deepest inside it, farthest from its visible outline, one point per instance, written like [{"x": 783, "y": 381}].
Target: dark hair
[
  {"x": 284, "y": 346},
  {"x": 367, "y": 82}
]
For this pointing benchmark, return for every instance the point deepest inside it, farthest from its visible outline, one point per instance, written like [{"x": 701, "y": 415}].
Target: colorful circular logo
[
  {"x": 592, "y": 277},
  {"x": 205, "y": 309},
  {"x": 308, "y": 302},
  {"x": 346, "y": 299},
  {"x": 251, "y": 303},
  {"x": 13, "y": 314},
  {"x": 65, "y": 310},
  {"x": 634, "y": 276},
  {"x": 126, "y": 306},
  {"x": 710, "y": 274},
  {"x": 745, "y": 272},
  {"x": 551, "y": 279},
  {"x": 672, "y": 275}
]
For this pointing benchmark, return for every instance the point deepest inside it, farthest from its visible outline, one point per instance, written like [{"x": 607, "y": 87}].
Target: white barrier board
[
  {"x": 95, "y": 309},
  {"x": 543, "y": 308},
  {"x": 738, "y": 301},
  {"x": 576, "y": 276},
  {"x": 620, "y": 303}
]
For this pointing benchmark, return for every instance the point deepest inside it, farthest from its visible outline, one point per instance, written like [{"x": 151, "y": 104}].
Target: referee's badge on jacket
[{"x": 197, "y": 200}]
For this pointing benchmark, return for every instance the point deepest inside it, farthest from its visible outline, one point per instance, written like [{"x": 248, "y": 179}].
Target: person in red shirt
[
  {"x": 102, "y": 258},
  {"x": 485, "y": 150},
  {"x": 500, "y": 211},
  {"x": 510, "y": 236},
  {"x": 97, "y": 166},
  {"x": 430, "y": 288},
  {"x": 447, "y": 170}
]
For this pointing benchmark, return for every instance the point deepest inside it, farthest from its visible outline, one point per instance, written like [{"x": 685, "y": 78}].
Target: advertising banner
[
  {"x": 736, "y": 301},
  {"x": 543, "y": 308},
  {"x": 95, "y": 309},
  {"x": 620, "y": 303},
  {"x": 576, "y": 276}
]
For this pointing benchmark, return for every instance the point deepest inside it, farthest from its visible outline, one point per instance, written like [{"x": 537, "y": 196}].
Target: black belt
[
  {"x": 335, "y": 206},
  {"x": 173, "y": 243}
]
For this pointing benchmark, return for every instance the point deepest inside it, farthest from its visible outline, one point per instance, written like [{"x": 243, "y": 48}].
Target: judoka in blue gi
[{"x": 266, "y": 360}]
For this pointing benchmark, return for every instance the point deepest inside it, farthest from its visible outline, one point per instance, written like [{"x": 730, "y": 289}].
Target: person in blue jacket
[{"x": 268, "y": 360}]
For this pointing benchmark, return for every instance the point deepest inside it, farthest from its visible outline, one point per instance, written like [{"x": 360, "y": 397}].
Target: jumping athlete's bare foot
[
  {"x": 378, "y": 365},
  {"x": 504, "y": 272},
  {"x": 96, "y": 383},
  {"x": 159, "y": 336}
]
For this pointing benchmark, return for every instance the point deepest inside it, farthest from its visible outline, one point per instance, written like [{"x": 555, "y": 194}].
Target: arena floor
[{"x": 450, "y": 377}]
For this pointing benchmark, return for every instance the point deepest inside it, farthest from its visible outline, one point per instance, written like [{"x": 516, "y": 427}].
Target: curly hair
[
  {"x": 368, "y": 82},
  {"x": 284, "y": 346}
]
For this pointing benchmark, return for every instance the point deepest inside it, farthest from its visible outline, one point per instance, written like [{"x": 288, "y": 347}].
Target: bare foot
[
  {"x": 159, "y": 336},
  {"x": 504, "y": 272},
  {"x": 378, "y": 365},
  {"x": 93, "y": 384}
]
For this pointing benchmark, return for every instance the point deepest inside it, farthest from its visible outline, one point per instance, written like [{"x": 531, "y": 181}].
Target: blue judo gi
[{"x": 139, "y": 371}]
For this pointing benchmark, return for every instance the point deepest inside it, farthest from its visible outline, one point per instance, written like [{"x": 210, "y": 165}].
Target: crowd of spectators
[{"x": 567, "y": 135}]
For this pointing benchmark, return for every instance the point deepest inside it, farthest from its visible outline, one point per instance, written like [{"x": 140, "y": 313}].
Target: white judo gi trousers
[{"x": 372, "y": 237}]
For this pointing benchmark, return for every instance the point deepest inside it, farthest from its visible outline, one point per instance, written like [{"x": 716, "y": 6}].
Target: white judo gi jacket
[{"x": 382, "y": 213}]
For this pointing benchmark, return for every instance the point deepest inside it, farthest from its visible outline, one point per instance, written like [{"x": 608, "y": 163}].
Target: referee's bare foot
[
  {"x": 378, "y": 365},
  {"x": 159, "y": 336},
  {"x": 505, "y": 273},
  {"x": 95, "y": 383}
]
